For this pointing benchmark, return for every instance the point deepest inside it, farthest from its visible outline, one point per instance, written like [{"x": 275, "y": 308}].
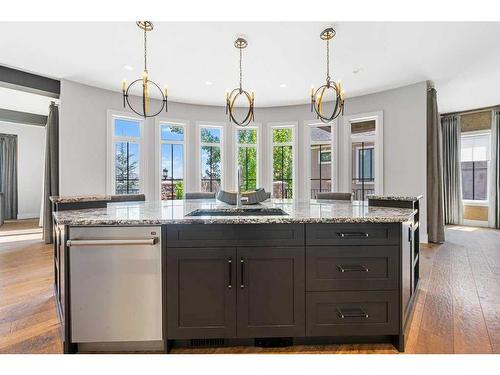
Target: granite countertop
[
  {"x": 79, "y": 198},
  {"x": 174, "y": 212},
  {"x": 396, "y": 197}
]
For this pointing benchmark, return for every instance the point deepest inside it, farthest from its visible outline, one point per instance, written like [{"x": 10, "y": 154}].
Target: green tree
[
  {"x": 283, "y": 158},
  {"x": 126, "y": 165},
  {"x": 247, "y": 158},
  {"x": 213, "y": 156}
]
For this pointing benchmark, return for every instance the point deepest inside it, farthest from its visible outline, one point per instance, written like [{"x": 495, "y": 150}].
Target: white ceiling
[{"x": 463, "y": 59}]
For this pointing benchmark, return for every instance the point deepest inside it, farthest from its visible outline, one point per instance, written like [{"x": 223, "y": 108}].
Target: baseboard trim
[
  {"x": 476, "y": 223},
  {"x": 28, "y": 216}
]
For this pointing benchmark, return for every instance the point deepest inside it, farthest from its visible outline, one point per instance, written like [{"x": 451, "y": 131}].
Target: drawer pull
[
  {"x": 242, "y": 272},
  {"x": 352, "y": 268},
  {"x": 352, "y": 313},
  {"x": 353, "y": 234},
  {"x": 230, "y": 266}
]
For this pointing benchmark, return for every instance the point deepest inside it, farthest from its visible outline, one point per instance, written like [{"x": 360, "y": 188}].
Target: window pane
[
  {"x": 247, "y": 160},
  {"x": 282, "y": 172},
  {"x": 127, "y": 128},
  {"x": 210, "y": 135},
  {"x": 321, "y": 171},
  {"x": 363, "y": 169},
  {"x": 321, "y": 133},
  {"x": 211, "y": 168},
  {"x": 480, "y": 180},
  {"x": 247, "y": 136},
  {"x": 127, "y": 168},
  {"x": 467, "y": 180},
  {"x": 282, "y": 135},
  {"x": 474, "y": 180},
  {"x": 172, "y": 133},
  {"x": 475, "y": 148},
  {"x": 172, "y": 165}
]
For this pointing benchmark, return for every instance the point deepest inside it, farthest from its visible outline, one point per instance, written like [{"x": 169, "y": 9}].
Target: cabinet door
[
  {"x": 271, "y": 294},
  {"x": 201, "y": 293}
]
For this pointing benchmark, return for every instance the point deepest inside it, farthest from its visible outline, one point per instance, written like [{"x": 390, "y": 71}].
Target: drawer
[
  {"x": 330, "y": 268},
  {"x": 228, "y": 235},
  {"x": 353, "y": 234},
  {"x": 352, "y": 313}
]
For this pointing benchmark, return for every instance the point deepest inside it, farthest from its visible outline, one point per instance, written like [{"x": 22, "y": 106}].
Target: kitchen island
[{"x": 146, "y": 276}]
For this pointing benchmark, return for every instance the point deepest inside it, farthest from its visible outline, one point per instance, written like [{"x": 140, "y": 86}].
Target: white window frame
[
  {"x": 378, "y": 138},
  {"x": 478, "y": 202},
  {"x": 283, "y": 125},
  {"x": 211, "y": 125},
  {"x": 247, "y": 145},
  {"x": 158, "y": 171},
  {"x": 334, "y": 149},
  {"x": 110, "y": 150}
]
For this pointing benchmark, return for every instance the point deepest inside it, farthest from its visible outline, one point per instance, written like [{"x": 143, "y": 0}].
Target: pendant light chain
[
  {"x": 145, "y": 50},
  {"x": 328, "y": 62},
  {"x": 241, "y": 70}
]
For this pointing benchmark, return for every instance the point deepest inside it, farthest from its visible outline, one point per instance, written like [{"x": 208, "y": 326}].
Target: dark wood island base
[
  {"x": 285, "y": 284},
  {"x": 265, "y": 282}
]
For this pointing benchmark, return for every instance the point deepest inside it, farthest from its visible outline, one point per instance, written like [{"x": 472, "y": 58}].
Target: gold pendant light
[
  {"x": 317, "y": 96},
  {"x": 146, "y": 26},
  {"x": 232, "y": 96}
]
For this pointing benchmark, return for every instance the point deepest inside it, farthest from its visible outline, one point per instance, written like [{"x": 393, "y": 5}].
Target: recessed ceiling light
[
  {"x": 283, "y": 85},
  {"x": 356, "y": 71},
  {"x": 209, "y": 83},
  {"x": 128, "y": 67}
]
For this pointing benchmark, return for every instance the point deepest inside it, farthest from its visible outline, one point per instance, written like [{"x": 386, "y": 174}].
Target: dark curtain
[
  {"x": 435, "y": 205},
  {"x": 452, "y": 174},
  {"x": 8, "y": 174},
  {"x": 51, "y": 178}
]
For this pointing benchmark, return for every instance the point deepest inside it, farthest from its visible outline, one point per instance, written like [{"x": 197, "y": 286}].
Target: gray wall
[{"x": 83, "y": 117}]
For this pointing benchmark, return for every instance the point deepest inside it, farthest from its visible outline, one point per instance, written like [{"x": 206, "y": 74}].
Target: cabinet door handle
[
  {"x": 230, "y": 266},
  {"x": 353, "y": 234},
  {"x": 352, "y": 313},
  {"x": 242, "y": 272},
  {"x": 352, "y": 268}
]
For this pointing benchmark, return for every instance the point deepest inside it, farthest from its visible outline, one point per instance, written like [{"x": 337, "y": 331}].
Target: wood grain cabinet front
[
  {"x": 201, "y": 297},
  {"x": 352, "y": 313},
  {"x": 271, "y": 295},
  {"x": 352, "y": 234},
  {"x": 235, "y": 293},
  {"x": 330, "y": 268}
]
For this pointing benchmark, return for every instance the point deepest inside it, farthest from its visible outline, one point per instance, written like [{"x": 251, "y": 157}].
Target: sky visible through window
[{"x": 127, "y": 128}]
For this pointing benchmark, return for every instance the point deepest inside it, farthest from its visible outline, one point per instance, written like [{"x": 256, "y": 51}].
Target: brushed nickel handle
[
  {"x": 352, "y": 268},
  {"x": 352, "y": 234},
  {"x": 230, "y": 266},
  {"x": 242, "y": 270},
  {"x": 357, "y": 313},
  {"x": 144, "y": 241}
]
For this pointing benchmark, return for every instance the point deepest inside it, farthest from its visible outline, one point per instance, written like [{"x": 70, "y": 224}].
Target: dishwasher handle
[{"x": 104, "y": 242}]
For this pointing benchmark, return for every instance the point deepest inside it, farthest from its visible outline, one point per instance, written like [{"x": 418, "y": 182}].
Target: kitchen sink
[{"x": 262, "y": 211}]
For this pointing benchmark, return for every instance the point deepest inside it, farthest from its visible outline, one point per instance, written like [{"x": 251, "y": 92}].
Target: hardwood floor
[{"x": 457, "y": 309}]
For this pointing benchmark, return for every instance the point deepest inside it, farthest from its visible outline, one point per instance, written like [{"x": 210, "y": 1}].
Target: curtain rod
[{"x": 483, "y": 109}]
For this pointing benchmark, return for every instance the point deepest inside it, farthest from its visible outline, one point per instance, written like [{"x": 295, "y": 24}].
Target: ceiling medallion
[
  {"x": 146, "y": 26},
  {"x": 318, "y": 95},
  {"x": 232, "y": 96}
]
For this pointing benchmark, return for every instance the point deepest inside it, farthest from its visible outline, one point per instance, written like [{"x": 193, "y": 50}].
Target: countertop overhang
[{"x": 175, "y": 212}]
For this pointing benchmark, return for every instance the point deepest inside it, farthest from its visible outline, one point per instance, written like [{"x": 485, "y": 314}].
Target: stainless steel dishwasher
[{"x": 116, "y": 287}]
